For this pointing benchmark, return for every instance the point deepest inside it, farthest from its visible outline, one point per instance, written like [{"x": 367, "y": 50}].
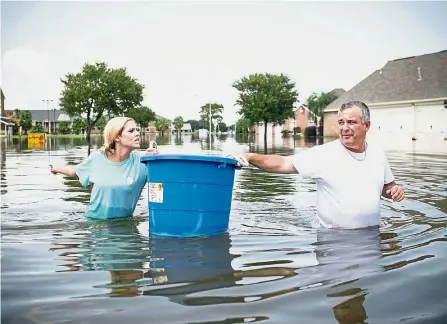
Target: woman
[{"x": 115, "y": 170}]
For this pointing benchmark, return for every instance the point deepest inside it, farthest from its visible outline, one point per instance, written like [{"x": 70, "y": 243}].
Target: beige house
[
  {"x": 48, "y": 119},
  {"x": 407, "y": 97},
  {"x": 4, "y": 120}
]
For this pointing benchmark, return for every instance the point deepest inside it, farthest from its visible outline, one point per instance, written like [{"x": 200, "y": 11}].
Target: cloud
[{"x": 189, "y": 53}]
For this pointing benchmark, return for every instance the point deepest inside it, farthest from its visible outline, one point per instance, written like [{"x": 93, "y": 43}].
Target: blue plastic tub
[{"x": 189, "y": 195}]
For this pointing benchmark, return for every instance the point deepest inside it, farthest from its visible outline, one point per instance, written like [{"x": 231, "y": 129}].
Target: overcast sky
[{"x": 188, "y": 53}]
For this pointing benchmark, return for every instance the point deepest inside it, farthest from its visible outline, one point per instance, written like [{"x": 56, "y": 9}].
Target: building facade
[{"x": 407, "y": 98}]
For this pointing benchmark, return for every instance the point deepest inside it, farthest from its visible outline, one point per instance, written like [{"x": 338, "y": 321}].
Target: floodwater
[{"x": 272, "y": 266}]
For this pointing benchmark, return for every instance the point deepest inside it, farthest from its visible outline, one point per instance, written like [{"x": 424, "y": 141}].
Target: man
[{"x": 351, "y": 174}]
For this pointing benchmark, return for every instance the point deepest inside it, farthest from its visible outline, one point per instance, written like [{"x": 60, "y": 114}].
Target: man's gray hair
[{"x": 357, "y": 103}]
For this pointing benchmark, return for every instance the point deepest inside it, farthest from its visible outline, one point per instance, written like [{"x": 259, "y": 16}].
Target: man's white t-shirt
[{"x": 348, "y": 190}]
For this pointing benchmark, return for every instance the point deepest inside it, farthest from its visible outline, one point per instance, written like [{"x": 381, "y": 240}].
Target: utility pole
[
  {"x": 209, "y": 105},
  {"x": 48, "y": 103}
]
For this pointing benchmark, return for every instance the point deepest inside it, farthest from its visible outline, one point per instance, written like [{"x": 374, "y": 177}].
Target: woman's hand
[
  {"x": 152, "y": 151},
  {"x": 53, "y": 170}
]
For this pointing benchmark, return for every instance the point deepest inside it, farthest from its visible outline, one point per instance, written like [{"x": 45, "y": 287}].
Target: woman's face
[{"x": 130, "y": 136}]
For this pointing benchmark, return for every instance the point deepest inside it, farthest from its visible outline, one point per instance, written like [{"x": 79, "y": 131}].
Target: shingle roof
[
  {"x": 42, "y": 115},
  {"x": 411, "y": 78}
]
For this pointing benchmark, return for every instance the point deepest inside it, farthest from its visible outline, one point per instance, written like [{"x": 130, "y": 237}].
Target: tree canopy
[
  {"x": 178, "y": 123},
  {"x": 266, "y": 98},
  {"x": 318, "y": 102},
  {"x": 216, "y": 113},
  {"x": 26, "y": 121},
  {"x": 142, "y": 116},
  {"x": 98, "y": 91},
  {"x": 161, "y": 124}
]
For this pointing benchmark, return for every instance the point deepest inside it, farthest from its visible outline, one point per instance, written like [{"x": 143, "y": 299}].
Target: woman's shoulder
[{"x": 97, "y": 155}]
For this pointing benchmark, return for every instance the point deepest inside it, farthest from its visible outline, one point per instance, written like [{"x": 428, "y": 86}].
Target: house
[
  {"x": 303, "y": 118},
  {"x": 4, "y": 120},
  {"x": 186, "y": 128},
  {"x": 407, "y": 97},
  {"x": 300, "y": 119},
  {"x": 48, "y": 118},
  {"x": 151, "y": 127}
]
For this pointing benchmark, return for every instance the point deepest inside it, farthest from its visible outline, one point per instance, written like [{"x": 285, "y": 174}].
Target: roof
[
  {"x": 186, "y": 127},
  {"x": 338, "y": 91},
  {"x": 411, "y": 78},
  {"x": 42, "y": 115}
]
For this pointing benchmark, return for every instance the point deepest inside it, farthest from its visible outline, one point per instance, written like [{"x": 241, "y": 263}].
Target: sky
[{"x": 189, "y": 53}]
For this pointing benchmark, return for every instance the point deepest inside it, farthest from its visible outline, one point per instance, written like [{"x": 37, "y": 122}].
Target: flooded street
[{"x": 274, "y": 265}]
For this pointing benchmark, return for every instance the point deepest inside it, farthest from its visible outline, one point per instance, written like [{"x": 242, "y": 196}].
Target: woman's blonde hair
[{"x": 113, "y": 129}]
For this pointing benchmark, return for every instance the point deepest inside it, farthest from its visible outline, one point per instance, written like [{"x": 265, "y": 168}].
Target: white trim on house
[
  {"x": 398, "y": 103},
  {"x": 6, "y": 123}
]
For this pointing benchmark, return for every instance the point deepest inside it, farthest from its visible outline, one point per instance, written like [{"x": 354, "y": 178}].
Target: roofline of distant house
[{"x": 397, "y": 103}]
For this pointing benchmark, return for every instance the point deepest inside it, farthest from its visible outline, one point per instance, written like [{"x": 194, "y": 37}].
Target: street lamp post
[
  {"x": 48, "y": 103},
  {"x": 210, "y": 123}
]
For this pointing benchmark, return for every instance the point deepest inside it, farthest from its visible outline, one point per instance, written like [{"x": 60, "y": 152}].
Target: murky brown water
[{"x": 272, "y": 266}]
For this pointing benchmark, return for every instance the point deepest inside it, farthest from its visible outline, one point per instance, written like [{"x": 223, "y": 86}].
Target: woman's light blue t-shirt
[{"x": 117, "y": 186}]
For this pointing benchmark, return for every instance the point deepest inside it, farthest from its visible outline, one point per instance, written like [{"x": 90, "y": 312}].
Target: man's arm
[
  {"x": 393, "y": 191},
  {"x": 271, "y": 163}
]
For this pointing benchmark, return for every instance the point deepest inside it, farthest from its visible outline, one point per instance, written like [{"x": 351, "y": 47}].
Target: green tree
[
  {"x": 243, "y": 125},
  {"x": 37, "y": 129},
  {"x": 266, "y": 98},
  {"x": 78, "y": 126},
  {"x": 64, "y": 126},
  {"x": 195, "y": 124},
  {"x": 222, "y": 127},
  {"x": 216, "y": 112},
  {"x": 26, "y": 121},
  {"x": 97, "y": 91},
  {"x": 178, "y": 123},
  {"x": 142, "y": 116},
  {"x": 101, "y": 123},
  {"x": 318, "y": 102},
  {"x": 161, "y": 124}
]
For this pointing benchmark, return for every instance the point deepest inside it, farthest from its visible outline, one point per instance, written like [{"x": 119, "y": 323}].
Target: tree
[
  {"x": 243, "y": 125},
  {"x": 142, "y": 116},
  {"x": 195, "y": 124},
  {"x": 99, "y": 90},
  {"x": 216, "y": 111},
  {"x": 266, "y": 98},
  {"x": 162, "y": 125},
  {"x": 37, "y": 129},
  {"x": 178, "y": 123},
  {"x": 318, "y": 102},
  {"x": 101, "y": 123},
  {"x": 64, "y": 126},
  {"x": 222, "y": 127},
  {"x": 26, "y": 120},
  {"x": 78, "y": 126}
]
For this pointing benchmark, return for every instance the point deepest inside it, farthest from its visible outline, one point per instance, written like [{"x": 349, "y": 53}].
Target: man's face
[
  {"x": 352, "y": 131},
  {"x": 130, "y": 137}
]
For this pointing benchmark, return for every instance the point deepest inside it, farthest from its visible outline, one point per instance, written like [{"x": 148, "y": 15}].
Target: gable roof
[
  {"x": 338, "y": 91},
  {"x": 186, "y": 127},
  {"x": 411, "y": 78}
]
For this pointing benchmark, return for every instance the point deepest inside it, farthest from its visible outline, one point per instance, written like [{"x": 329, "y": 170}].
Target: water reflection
[{"x": 344, "y": 257}]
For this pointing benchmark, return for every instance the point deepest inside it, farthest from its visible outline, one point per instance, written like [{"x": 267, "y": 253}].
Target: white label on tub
[{"x": 155, "y": 192}]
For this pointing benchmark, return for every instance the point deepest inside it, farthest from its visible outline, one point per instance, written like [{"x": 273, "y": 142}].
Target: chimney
[{"x": 419, "y": 74}]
